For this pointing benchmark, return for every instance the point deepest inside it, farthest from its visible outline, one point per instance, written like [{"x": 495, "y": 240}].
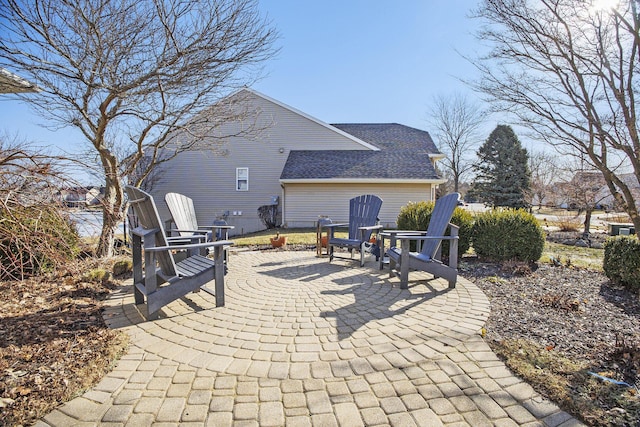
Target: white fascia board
[
  {"x": 313, "y": 119},
  {"x": 437, "y": 156},
  {"x": 362, "y": 181}
]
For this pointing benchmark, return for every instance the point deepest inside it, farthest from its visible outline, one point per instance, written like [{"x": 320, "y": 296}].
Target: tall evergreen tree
[{"x": 502, "y": 173}]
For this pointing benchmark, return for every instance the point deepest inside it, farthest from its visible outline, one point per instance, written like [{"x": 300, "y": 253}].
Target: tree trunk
[
  {"x": 587, "y": 222},
  {"x": 107, "y": 236},
  {"x": 636, "y": 225},
  {"x": 111, "y": 218}
]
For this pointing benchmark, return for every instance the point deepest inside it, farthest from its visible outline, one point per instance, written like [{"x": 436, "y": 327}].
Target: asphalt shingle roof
[
  {"x": 391, "y": 136},
  {"x": 404, "y": 154}
]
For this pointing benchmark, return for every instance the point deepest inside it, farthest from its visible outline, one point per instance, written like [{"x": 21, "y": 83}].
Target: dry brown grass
[
  {"x": 567, "y": 221},
  {"x": 618, "y": 218},
  {"x": 569, "y": 384}
]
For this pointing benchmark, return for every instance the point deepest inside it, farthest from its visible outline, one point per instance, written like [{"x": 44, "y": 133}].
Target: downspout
[{"x": 283, "y": 198}]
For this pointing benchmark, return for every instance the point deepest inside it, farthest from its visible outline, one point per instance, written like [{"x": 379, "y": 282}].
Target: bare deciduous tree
[
  {"x": 447, "y": 186},
  {"x": 130, "y": 74},
  {"x": 456, "y": 121},
  {"x": 569, "y": 72},
  {"x": 585, "y": 190},
  {"x": 544, "y": 173}
]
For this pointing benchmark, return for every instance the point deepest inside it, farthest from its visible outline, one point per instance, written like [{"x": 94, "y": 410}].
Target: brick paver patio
[{"x": 302, "y": 342}]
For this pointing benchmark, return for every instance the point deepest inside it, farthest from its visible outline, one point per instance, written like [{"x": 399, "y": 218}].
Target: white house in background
[
  {"x": 10, "y": 83},
  {"x": 307, "y": 167},
  {"x": 80, "y": 197}
]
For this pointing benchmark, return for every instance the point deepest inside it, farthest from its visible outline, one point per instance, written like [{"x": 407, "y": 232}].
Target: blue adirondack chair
[
  {"x": 363, "y": 220},
  {"x": 428, "y": 257},
  {"x": 160, "y": 279}
]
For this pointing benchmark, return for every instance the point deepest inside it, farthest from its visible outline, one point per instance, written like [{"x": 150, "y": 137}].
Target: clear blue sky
[
  {"x": 342, "y": 61},
  {"x": 369, "y": 61}
]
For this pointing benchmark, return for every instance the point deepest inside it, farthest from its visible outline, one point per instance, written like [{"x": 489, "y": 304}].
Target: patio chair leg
[{"x": 404, "y": 265}]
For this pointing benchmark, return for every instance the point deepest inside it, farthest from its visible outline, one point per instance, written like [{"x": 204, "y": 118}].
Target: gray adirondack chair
[
  {"x": 363, "y": 220},
  {"x": 183, "y": 214},
  {"x": 160, "y": 280},
  {"x": 428, "y": 258}
]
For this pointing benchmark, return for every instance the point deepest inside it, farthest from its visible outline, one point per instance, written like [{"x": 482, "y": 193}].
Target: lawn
[
  {"x": 559, "y": 254},
  {"x": 295, "y": 236},
  {"x": 590, "y": 258}
]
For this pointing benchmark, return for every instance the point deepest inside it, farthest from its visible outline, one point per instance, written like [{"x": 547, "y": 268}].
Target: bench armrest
[
  {"x": 371, "y": 227},
  {"x": 177, "y": 230},
  {"x": 391, "y": 233},
  {"x": 335, "y": 225},
  {"x": 191, "y": 246},
  {"x": 416, "y": 237}
]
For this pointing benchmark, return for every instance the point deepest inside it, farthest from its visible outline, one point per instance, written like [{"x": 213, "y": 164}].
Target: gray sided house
[{"x": 307, "y": 167}]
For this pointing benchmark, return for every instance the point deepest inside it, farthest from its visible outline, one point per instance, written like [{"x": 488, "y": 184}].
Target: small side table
[
  {"x": 220, "y": 231},
  {"x": 322, "y": 221}
]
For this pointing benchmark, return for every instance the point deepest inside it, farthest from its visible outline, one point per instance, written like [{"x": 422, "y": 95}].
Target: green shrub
[
  {"x": 122, "y": 267},
  {"x": 507, "y": 234},
  {"x": 416, "y": 216},
  {"x": 621, "y": 261},
  {"x": 34, "y": 240},
  {"x": 97, "y": 275}
]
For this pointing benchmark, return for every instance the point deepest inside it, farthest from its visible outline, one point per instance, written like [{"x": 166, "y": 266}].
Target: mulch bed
[
  {"x": 53, "y": 344},
  {"x": 574, "y": 313}
]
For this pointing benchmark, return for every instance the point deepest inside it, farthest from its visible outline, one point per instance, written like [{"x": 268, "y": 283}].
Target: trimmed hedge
[
  {"x": 621, "y": 261},
  {"x": 416, "y": 216},
  {"x": 507, "y": 234}
]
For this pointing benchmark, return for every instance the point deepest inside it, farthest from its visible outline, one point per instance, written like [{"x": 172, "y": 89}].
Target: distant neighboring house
[
  {"x": 631, "y": 181},
  {"x": 94, "y": 195},
  {"x": 73, "y": 197},
  {"x": 590, "y": 188},
  {"x": 78, "y": 197},
  {"x": 10, "y": 83},
  {"x": 306, "y": 167}
]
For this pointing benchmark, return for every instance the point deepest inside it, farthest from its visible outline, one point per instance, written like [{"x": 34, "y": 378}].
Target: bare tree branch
[
  {"x": 456, "y": 121},
  {"x": 131, "y": 74},
  {"x": 569, "y": 73}
]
